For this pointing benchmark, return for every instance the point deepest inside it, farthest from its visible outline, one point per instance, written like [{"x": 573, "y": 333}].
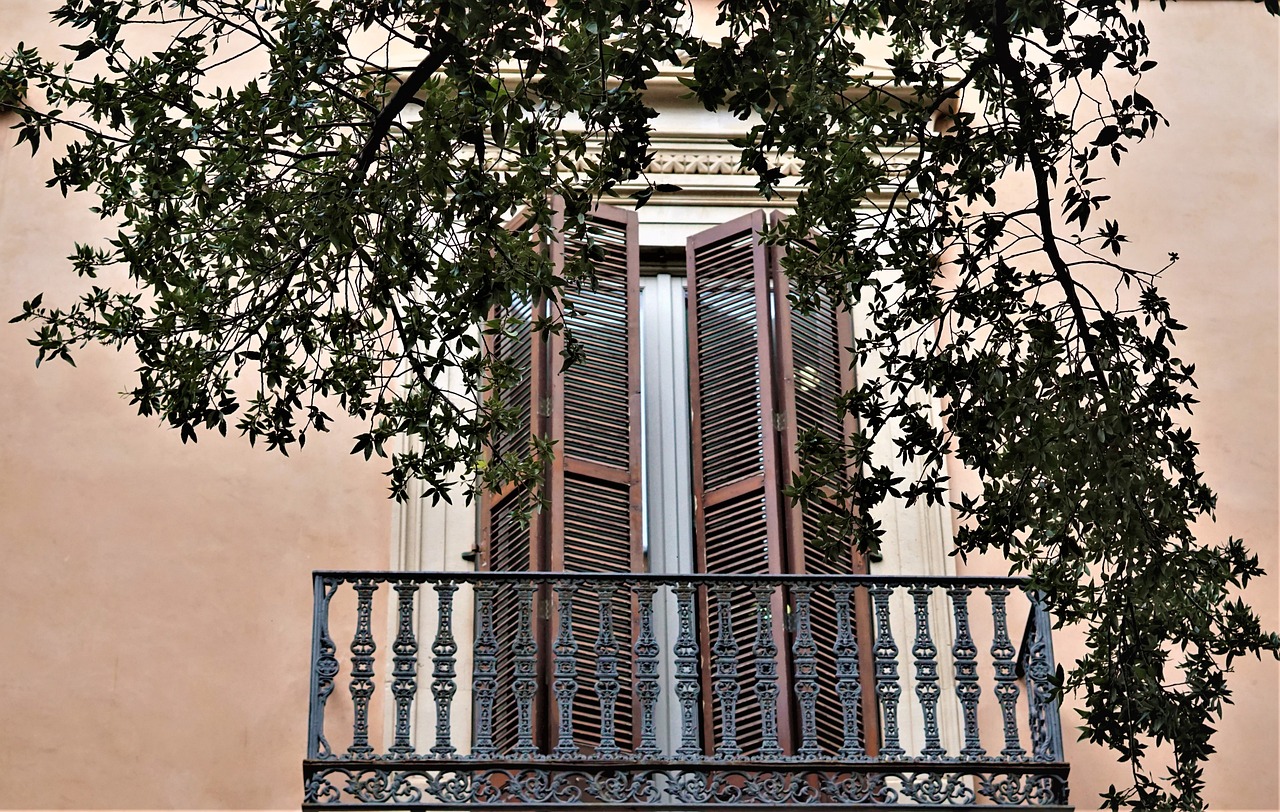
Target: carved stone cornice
[{"x": 702, "y": 162}]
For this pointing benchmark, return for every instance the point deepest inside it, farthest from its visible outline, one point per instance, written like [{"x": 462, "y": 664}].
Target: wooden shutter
[
  {"x": 594, "y": 485},
  {"x": 738, "y": 512},
  {"x": 591, "y": 411},
  {"x": 507, "y": 544},
  {"x": 812, "y": 350},
  {"x": 815, "y": 366}
]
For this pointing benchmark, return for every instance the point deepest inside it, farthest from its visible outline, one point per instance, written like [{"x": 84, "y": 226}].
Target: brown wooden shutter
[
  {"x": 594, "y": 484},
  {"x": 738, "y": 511},
  {"x": 507, "y": 544},
  {"x": 591, "y": 411},
  {"x": 815, "y": 367},
  {"x": 812, "y": 349}
]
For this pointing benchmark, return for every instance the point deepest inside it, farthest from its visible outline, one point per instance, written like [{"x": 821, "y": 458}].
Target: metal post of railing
[
  {"x": 765, "y": 650},
  {"x": 324, "y": 665},
  {"x": 443, "y": 671},
  {"x": 725, "y": 688},
  {"x": 848, "y": 680},
  {"x": 804, "y": 655},
  {"x": 363, "y": 648},
  {"x": 687, "y": 689},
  {"x": 404, "y": 686},
  {"x": 647, "y": 685},
  {"x": 924, "y": 653},
  {"x": 565, "y": 683},
  {"x": 484, "y": 682},
  {"x": 965, "y": 654},
  {"x": 1046, "y": 725},
  {"x": 886, "y": 662},
  {"x": 1002, "y": 654},
  {"x": 524, "y": 650}
]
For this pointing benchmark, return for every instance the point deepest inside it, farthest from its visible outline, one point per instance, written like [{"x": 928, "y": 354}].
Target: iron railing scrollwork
[{"x": 935, "y": 700}]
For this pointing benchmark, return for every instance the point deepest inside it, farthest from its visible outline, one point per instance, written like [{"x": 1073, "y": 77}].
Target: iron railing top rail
[
  {"x": 424, "y": 576},
  {"x": 795, "y": 763}
]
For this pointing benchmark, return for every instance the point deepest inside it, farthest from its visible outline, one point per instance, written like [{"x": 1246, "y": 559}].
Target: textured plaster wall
[
  {"x": 155, "y": 601},
  {"x": 1207, "y": 189},
  {"x": 154, "y": 597}
]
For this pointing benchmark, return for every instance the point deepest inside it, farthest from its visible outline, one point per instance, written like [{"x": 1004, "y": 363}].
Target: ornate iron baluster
[
  {"x": 687, "y": 690},
  {"x": 647, "y": 685},
  {"x": 566, "y": 670},
  {"x": 1003, "y": 653},
  {"x": 362, "y": 649},
  {"x": 524, "y": 650},
  {"x": 887, "y": 688},
  {"x": 404, "y": 671},
  {"x": 443, "y": 672},
  {"x": 1046, "y": 726},
  {"x": 965, "y": 654},
  {"x": 925, "y": 655},
  {"x": 324, "y": 665},
  {"x": 725, "y": 651},
  {"x": 484, "y": 680},
  {"x": 607, "y": 671},
  {"x": 805, "y": 651},
  {"x": 847, "y": 678},
  {"x": 766, "y": 651}
]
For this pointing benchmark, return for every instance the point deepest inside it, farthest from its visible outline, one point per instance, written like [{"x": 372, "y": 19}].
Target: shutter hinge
[
  {"x": 779, "y": 421},
  {"x": 544, "y": 407},
  {"x": 544, "y": 606}
]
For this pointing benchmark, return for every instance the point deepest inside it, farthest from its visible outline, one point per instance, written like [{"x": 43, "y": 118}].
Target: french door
[{"x": 757, "y": 375}]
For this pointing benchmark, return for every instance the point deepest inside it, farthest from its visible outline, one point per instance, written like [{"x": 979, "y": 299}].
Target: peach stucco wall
[
  {"x": 154, "y": 597},
  {"x": 1207, "y": 188},
  {"x": 155, "y": 624}
]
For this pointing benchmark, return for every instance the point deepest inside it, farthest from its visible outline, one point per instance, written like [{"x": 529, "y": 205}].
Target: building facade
[{"x": 160, "y": 596}]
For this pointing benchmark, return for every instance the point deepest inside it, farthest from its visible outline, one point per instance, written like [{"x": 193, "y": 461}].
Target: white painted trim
[{"x": 427, "y": 537}]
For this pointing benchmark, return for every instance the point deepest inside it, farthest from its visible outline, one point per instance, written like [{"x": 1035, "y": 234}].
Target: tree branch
[
  {"x": 399, "y": 101},
  {"x": 1010, "y": 70}
]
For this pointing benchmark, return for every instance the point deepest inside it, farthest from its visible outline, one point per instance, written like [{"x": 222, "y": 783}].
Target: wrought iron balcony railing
[{"x": 684, "y": 691}]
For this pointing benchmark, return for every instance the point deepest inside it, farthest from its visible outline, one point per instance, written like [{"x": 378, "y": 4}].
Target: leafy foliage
[{"x": 310, "y": 200}]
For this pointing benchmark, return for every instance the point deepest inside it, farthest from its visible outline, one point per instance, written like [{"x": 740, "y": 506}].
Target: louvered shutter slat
[
  {"x": 594, "y": 484},
  {"x": 812, "y": 350},
  {"x": 737, "y": 509}
]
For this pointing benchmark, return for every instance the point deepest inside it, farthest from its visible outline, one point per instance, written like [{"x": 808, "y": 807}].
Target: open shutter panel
[
  {"x": 812, "y": 352},
  {"x": 506, "y": 543},
  {"x": 815, "y": 366},
  {"x": 737, "y": 504},
  {"x": 594, "y": 483}
]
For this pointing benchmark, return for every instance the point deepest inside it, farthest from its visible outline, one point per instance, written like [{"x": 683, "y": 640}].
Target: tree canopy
[{"x": 309, "y": 199}]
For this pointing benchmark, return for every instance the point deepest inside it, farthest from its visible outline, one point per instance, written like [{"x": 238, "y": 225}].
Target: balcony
[{"x": 679, "y": 692}]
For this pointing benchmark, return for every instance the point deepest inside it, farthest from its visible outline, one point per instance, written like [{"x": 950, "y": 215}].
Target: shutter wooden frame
[
  {"x": 712, "y": 257},
  {"x": 533, "y": 558},
  {"x": 785, "y": 385},
  {"x": 569, "y": 461},
  {"x": 797, "y": 558},
  {"x": 604, "y": 473},
  {"x": 489, "y": 500}
]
